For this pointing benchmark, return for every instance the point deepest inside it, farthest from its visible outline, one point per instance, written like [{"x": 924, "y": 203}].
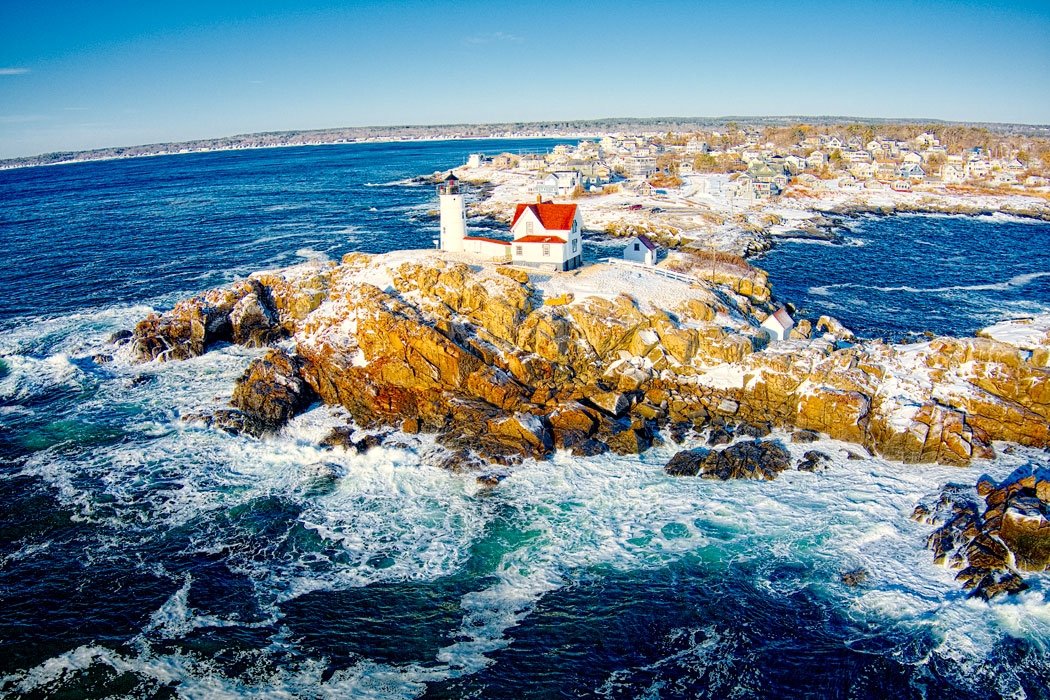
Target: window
[
  {"x": 574, "y": 226},
  {"x": 636, "y": 247},
  {"x": 546, "y": 250},
  {"x": 574, "y": 244},
  {"x": 517, "y": 250},
  {"x": 528, "y": 228}
]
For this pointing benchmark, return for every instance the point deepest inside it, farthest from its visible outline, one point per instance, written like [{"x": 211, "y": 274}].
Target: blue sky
[{"x": 77, "y": 75}]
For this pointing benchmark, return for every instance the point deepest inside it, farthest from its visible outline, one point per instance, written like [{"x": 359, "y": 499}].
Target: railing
[{"x": 651, "y": 269}]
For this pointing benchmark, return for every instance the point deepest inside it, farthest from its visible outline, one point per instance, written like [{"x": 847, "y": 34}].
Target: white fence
[{"x": 651, "y": 269}]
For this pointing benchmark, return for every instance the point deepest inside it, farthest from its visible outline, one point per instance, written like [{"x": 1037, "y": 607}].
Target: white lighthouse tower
[{"x": 453, "y": 215}]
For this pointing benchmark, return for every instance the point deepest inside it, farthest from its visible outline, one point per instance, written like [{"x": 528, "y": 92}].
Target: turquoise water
[{"x": 144, "y": 557}]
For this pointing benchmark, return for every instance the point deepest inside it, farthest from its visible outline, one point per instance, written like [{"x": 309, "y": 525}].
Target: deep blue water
[
  {"x": 900, "y": 276},
  {"x": 144, "y": 557}
]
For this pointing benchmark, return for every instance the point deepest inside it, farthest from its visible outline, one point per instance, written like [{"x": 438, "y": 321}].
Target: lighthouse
[{"x": 453, "y": 215}]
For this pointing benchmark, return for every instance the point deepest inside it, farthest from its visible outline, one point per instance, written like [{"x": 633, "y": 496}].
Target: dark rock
[
  {"x": 855, "y": 577},
  {"x": 813, "y": 460},
  {"x": 804, "y": 436},
  {"x": 273, "y": 389},
  {"x": 747, "y": 460},
  {"x": 410, "y": 426},
  {"x": 490, "y": 479},
  {"x": 231, "y": 421},
  {"x": 589, "y": 448},
  {"x": 120, "y": 337},
  {"x": 986, "y": 541},
  {"x": 686, "y": 463},
  {"x": 101, "y": 359},
  {"x": 568, "y": 439},
  {"x": 852, "y": 456},
  {"x": 339, "y": 437},
  {"x": 754, "y": 430},
  {"x": 679, "y": 431},
  {"x": 141, "y": 379},
  {"x": 994, "y": 583},
  {"x": 719, "y": 436}
]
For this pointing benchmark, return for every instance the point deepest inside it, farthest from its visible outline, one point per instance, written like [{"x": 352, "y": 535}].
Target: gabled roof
[
  {"x": 553, "y": 217},
  {"x": 535, "y": 238},
  {"x": 781, "y": 318},
  {"x": 644, "y": 240}
]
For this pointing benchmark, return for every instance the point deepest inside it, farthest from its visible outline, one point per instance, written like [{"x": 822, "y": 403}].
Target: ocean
[{"x": 144, "y": 557}]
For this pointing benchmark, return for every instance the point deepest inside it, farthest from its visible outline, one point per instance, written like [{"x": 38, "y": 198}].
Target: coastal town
[{"x": 736, "y": 190}]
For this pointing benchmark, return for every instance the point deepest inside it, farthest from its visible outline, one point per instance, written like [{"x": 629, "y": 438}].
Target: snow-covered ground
[{"x": 703, "y": 212}]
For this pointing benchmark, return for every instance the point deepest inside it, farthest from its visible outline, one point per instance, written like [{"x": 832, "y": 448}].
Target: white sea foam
[{"x": 390, "y": 518}]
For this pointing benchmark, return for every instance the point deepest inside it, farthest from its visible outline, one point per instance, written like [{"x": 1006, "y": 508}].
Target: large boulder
[
  {"x": 252, "y": 323},
  {"x": 272, "y": 390},
  {"x": 745, "y": 460}
]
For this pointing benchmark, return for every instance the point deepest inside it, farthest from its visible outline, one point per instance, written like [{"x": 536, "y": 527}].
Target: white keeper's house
[{"x": 547, "y": 234}]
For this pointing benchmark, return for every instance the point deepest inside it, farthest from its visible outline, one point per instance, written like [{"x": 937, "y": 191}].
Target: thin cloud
[
  {"x": 494, "y": 37},
  {"x": 13, "y": 71}
]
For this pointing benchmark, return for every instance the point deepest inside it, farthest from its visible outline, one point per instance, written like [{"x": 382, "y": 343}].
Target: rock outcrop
[
  {"x": 272, "y": 390},
  {"x": 993, "y": 531},
  {"x": 478, "y": 356},
  {"x": 753, "y": 459}
]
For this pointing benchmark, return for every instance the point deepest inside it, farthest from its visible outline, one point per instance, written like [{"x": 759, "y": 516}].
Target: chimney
[{"x": 539, "y": 199}]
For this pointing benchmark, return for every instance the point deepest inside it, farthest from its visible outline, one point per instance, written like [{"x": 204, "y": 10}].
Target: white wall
[
  {"x": 533, "y": 253},
  {"x": 453, "y": 222},
  {"x": 486, "y": 249},
  {"x": 642, "y": 255}
]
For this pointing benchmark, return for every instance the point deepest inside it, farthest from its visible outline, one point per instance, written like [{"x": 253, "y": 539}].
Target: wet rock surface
[
  {"x": 992, "y": 532},
  {"x": 231, "y": 421},
  {"x": 272, "y": 389},
  {"x": 744, "y": 460}
]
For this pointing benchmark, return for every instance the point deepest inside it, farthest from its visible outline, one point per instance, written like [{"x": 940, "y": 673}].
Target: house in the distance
[
  {"x": 640, "y": 249},
  {"x": 779, "y": 324},
  {"x": 560, "y": 183},
  {"x": 547, "y": 235}
]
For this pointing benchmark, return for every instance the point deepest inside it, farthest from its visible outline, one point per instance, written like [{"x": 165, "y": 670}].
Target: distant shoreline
[
  {"x": 102, "y": 158},
  {"x": 579, "y": 128}
]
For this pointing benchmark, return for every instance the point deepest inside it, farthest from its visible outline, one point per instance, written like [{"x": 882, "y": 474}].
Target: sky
[{"x": 79, "y": 75}]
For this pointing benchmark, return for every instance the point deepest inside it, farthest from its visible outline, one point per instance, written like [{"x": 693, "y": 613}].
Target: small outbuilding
[
  {"x": 779, "y": 324},
  {"x": 640, "y": 249}
]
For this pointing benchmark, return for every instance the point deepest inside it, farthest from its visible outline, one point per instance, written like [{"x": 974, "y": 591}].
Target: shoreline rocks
[
  {"x": 474, "y": 355},
  {"x": 993, "y": 531}
]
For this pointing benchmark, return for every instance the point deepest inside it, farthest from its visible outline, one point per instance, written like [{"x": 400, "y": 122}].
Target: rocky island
[{"x": 501, "y": 365}]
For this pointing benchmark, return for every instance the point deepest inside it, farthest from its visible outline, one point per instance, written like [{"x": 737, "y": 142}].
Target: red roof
[
  {"x": 540, "y": 239},
  {"x": 782, "y": 317},
  {"x": 553, "y": 217}
]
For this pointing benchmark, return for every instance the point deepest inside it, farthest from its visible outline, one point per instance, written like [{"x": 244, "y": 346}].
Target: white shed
[
  {"x": 640, "y": 249},
  {"x": 779, "y": 324}
]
